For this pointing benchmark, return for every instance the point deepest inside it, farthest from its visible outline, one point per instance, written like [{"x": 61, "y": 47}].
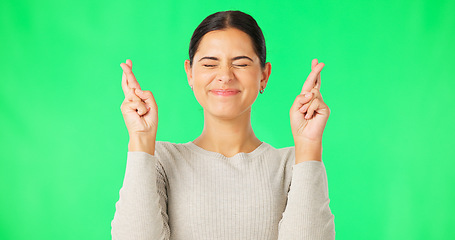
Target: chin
[{"x": 226, "y": 112}]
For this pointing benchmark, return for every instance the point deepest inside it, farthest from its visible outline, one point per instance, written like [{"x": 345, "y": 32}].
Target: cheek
[
  {"x": 203, "y": 77},
  {"x": 251, "y": 79},
  {"x": 201, "y": 80}
]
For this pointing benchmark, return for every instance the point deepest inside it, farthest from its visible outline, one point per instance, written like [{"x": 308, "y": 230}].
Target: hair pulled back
[{"x": 230, "y": 19}]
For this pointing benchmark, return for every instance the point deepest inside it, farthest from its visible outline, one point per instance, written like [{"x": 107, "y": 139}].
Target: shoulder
[
  {"x": 167, "y": 146},
  {"x": 285, "y": 156},
  {"x": 164, "y": 149},
  {"x": 280, "y": 162},
  {"x": 285, "y": 152},
  {"x": 170, "y": 156}
]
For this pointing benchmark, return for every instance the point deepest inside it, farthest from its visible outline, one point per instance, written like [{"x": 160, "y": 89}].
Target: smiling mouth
[{"x": 224, "y": 92}]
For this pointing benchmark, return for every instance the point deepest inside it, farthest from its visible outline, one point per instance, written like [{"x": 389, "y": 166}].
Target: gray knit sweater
[{"x": 185, "y": 192}]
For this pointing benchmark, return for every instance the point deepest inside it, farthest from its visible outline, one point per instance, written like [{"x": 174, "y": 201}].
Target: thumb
[
  {"x": 141, "y": 95},
  {"x": 139, "y": 92},
  {"x": 301, "y": 100}
]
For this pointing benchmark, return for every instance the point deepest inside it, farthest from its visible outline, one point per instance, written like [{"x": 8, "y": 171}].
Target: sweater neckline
[{"x": 241, "y": 155}]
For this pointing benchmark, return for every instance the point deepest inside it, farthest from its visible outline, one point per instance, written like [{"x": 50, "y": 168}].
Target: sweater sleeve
[
  {"x": 141, "y": 211},
  {"x": 307, "y": 214}
]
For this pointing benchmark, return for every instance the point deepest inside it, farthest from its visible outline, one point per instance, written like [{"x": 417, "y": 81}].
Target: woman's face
[{"x": 226, "y": 74}]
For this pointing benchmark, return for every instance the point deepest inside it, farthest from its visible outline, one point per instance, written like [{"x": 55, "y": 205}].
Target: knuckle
[
  {"x": 301, "y": 96},
  {"x": 124, "y": 106},
  {"x": 142, "y": 106},
  {"x": 129, "y": 94},
  {"x": 136, "y": 104},
  {"x": 132, "y": 104},
  {"x": 315, "y": 91},
  {"x": 127, "y": 105},
  {"x": 128, "y": 70},
  {"x": 133, "y": 97}
]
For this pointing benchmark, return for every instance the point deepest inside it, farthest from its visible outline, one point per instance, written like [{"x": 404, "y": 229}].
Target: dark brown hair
[{"x": 230, "y": 19}]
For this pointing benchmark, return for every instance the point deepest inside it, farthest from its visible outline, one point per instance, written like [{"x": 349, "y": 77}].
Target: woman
[{"x": 226, "y": 184}]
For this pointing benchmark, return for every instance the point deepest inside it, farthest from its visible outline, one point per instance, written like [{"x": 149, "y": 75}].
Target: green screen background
[{"x": 388, "y": 80}]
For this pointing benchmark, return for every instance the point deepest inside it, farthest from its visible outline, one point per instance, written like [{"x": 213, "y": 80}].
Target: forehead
[{"x": 229, "y": 41}]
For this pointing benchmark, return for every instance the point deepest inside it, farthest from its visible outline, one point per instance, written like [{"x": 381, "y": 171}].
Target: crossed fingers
[
  {"x": 311, "y": 88},
  {"x": 128, "y": 79},
  {"x": 313, "y": 104},
  {"x": 314, "y": 78}
]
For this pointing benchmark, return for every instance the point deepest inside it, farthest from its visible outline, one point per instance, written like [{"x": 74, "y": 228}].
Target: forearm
[
  {"x": 142, "y": 143},
  {"x": 140, "y": 208},
  {"x": 307, "y": 214},
  {"x": 308, "y": 151}
]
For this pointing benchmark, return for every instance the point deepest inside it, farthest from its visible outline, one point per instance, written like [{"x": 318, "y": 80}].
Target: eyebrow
[{"x": 233, "y": 59}]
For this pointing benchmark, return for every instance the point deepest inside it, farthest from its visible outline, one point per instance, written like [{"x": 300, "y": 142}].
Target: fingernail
[{"x": 307, "y": 94}]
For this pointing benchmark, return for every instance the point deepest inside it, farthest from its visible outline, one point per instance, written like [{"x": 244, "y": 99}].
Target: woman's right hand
[{"x": 139, "y": 108}]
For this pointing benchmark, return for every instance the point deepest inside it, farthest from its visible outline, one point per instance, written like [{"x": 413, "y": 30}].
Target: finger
[
  {"x": 130, "y": 78},
  {"x": 310, "y": 82},
  {"x": 318, "y": 84},
  {"x": 129, "y": 63},
  {"x": 314, "y": 62},
  {"x": 138, "y": 107},
  {"x": 147, "y": 97},
  {"x": 125, "y": 87},
  {"x": 124, "y": 81},
  {"x": 318, "y": 80},
  {"x": 316, "y": 94},
  {"x": 300, "y": 100},
  {"x": 304, "y": 108},
  {"x": 314, "y": 105},
  {"x": 132, "y": 96}
]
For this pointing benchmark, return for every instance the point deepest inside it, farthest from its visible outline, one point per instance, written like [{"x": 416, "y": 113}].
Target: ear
[
  {"x": 266, "y": 74},
  {"x": 189, "y": 74}
]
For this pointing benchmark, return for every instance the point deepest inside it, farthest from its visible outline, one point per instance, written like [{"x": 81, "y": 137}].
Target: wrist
[
  {"x": 142, "y": 143},
  {"x": 308, "y": 151}
]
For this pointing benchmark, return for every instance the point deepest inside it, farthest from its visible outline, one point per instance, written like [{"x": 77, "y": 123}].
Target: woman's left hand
[{"x": 309, "y": 114}]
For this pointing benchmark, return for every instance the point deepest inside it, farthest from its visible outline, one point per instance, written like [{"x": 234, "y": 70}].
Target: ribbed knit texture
[{"x": 185, "y": 192}]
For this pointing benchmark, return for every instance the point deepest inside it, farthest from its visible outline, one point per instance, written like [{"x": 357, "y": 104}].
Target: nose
[{"x": 225, "y": 74}]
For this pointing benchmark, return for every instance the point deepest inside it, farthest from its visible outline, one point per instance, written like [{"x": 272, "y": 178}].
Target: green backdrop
[{"x": 388, "y": 80}]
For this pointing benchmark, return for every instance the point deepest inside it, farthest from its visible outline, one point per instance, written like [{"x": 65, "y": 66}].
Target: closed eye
[{"x": 237, "y": 65}]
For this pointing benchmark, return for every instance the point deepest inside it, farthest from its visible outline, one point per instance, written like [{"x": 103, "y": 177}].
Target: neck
[{"x": 228, "y": 136}]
